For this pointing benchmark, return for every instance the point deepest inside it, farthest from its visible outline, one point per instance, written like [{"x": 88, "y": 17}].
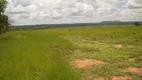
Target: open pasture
[{"x": 72, "y": 53}]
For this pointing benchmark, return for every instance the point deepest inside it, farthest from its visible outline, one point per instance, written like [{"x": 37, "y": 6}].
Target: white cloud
[
  {"x": 56, "y": 14},
  {"x": 131, "y": 14},
  {"x": 134, "y": 4},
  {"x": 72, "y": 11}
]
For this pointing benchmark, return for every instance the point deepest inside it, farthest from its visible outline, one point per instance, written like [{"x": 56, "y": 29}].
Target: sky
[{"x": 29, "y": 12}]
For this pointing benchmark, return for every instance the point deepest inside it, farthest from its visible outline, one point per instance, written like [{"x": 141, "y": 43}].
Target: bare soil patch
[
  {"x": 134, "y": 70},
  {"x": 122, "y": 78},
  {"x": 86, "y": 63}
]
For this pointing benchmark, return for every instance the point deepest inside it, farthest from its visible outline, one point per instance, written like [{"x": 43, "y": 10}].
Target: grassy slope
[
  {"x": 34, "y": 55},
  {"x": 99, "y": 43},
  {"x": 46, "y": 54}
]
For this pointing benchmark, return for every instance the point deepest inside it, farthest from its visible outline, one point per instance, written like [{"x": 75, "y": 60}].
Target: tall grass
[
  {"x": 46, "y": 54},
  {"x": 34, "y": 55}
]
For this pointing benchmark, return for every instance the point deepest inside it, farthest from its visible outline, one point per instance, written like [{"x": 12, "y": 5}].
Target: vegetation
[
  {"x": 4, "y": 24},
  {"x": 137, "y": 24},
  {"x": 47, "y": 26},
  {"x": 49, "y": 54}
]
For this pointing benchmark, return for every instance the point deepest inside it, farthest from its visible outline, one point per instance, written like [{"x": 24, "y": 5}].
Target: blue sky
[
  {"x": 26, "y": 12},
  {"x": 121, "y": 5}
]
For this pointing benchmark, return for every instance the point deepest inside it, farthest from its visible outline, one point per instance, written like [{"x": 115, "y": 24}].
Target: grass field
[{"x": 78, "y": 53}]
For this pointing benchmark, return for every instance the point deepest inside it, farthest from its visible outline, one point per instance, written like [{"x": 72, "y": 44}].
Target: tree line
[{"x": 4, "y": 22}]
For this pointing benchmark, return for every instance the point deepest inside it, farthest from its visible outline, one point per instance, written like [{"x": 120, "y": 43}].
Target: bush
[{"x": 137, "y": 24}]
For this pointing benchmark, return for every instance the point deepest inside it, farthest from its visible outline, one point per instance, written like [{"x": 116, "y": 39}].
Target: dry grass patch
[
  {"x": 92, "y": 41},
  {"x": 86, "y": 63},
  {"x": 93, "y": 77},
  {"x": 122, "y": 78},
  {"x": 90, "y": 77},
  {"x": 13, "y": 36},
  {"x": 133, "y": 59},
  {"x": 130, "y": 46},
  {"x": 111, "y": 78},
  {"x": 18, "y": 36},
  {"x": 118, "y": 46},
  {"x": 100, "y": 78}
]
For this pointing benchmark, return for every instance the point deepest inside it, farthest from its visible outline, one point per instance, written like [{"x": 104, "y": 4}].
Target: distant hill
[
  {"x": 110, "y": 22},
  {"x": 45, "y": 26},
  {"x": 118, "y": 23}
]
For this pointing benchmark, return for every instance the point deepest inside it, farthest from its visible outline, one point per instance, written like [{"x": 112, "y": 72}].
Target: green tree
[
  {"x": 137, "y": 24},
  {"x": 4, "y": 24}
]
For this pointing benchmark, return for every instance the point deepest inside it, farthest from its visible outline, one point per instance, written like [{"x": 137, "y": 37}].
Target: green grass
[
  {"x": 47, "y": 54},
  {"x": 99, "y": 43},
  {"x": 34, "y": 55}
]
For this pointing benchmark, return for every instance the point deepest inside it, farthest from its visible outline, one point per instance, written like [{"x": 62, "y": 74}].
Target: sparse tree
[
  {"x": 4, "y": 24},
  {"x": 137, "y": 24}
]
